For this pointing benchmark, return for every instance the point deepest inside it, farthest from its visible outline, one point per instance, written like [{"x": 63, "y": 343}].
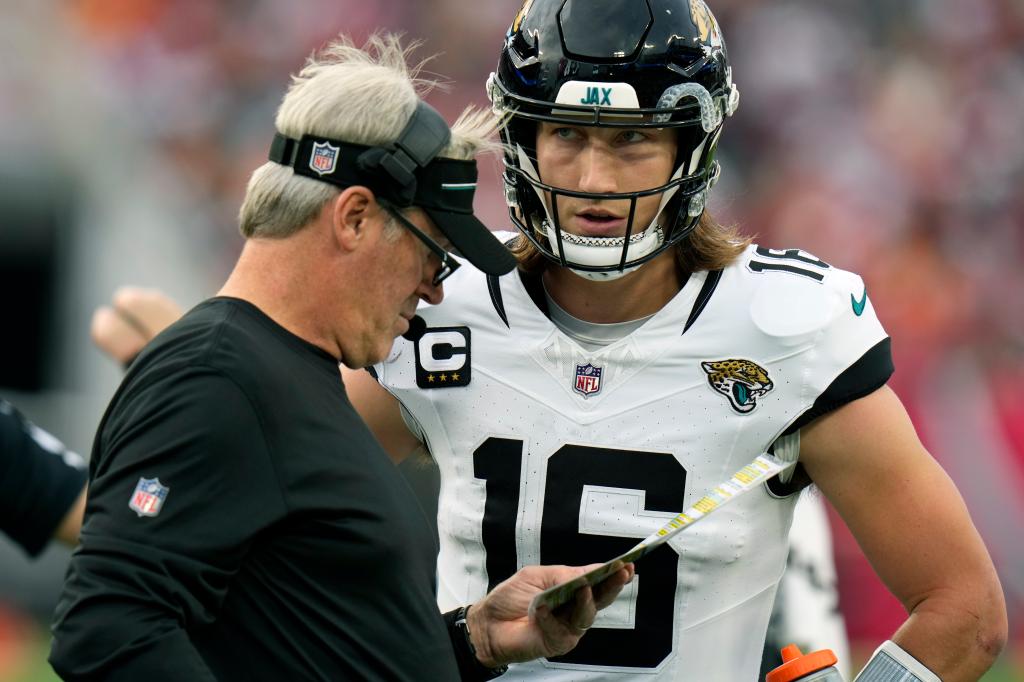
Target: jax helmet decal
[{"x": 619, "y": 64}]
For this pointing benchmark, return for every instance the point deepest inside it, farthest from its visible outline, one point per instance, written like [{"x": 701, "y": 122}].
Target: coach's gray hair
[{"x": 359, "y": 95}]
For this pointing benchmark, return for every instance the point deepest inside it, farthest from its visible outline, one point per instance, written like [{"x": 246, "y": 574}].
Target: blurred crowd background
[{"x": 886, "y": 137}]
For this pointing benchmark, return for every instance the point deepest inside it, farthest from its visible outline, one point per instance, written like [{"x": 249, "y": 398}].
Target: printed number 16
[{"x": 498, "y": 461}]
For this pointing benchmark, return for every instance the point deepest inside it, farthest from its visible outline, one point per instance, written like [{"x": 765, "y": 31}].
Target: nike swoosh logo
[{"x": 858, "y": 306}]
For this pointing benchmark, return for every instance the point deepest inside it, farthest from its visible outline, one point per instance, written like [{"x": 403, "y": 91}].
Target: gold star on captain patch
[
  {"x": 430, "y": 378},
  {"x": 444, "y": 377},
  {"x": 455, "y": 376}
]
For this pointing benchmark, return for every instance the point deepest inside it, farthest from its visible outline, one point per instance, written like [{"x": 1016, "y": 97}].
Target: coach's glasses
[{"x": 448, "y": 263}]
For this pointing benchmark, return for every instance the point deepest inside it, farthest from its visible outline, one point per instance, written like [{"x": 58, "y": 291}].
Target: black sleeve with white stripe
[{"x": 40, "y": 479}]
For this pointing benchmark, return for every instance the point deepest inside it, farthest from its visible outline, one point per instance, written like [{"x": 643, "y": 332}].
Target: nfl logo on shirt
[
  {"x": 588, "y": 380},
  {"x": 325, "y": 157},
  {"x": 149, "y": 496}
]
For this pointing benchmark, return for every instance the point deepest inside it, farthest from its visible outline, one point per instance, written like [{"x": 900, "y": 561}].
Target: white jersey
[{"x": 552, "y": 454}]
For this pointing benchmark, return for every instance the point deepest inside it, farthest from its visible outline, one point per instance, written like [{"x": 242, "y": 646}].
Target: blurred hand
[
  {"x": 503, "y": 632},
  {"x": 135, "y": 316}
]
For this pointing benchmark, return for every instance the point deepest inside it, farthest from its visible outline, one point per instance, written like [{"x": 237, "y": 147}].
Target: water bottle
[{"x": 817, "y": 666}]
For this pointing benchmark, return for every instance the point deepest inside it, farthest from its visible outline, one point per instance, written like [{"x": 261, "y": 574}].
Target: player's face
[
  {"x": 604, "y": 160},
  {"x": 401, "y": 274}
]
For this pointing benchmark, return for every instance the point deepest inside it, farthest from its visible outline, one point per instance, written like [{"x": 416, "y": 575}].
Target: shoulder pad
[{"x": 794, "y": 294}]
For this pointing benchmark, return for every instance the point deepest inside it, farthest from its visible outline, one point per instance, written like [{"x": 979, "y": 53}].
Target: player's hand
[
  {"x": 134, "y": 317},
  {"x": 502, "y": 630}
]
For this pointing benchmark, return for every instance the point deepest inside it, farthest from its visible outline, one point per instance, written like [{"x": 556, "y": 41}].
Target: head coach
[{"x": 242, "y": 523}]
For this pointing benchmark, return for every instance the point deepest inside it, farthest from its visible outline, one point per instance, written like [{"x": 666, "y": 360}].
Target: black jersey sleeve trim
[
  {"x": 866, "y": 375},
  {"x": 706, "y": 291}
]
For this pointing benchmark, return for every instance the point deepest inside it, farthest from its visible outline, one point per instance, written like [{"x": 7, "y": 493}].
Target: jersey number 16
[{"x": 498, "y": 461}]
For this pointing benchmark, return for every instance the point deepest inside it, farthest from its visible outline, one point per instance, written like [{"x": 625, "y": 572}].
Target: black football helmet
[{"x": 617, "y": 63}]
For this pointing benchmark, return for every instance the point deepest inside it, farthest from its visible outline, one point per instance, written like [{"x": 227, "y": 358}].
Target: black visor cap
[{"x": 444, "y": 189}]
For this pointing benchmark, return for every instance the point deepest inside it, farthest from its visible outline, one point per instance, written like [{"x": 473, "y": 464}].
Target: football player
[{"x": 641, "y": 353}]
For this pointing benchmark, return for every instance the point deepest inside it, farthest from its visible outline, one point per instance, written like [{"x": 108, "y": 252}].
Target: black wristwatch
[{"x": 470, "y": 667}]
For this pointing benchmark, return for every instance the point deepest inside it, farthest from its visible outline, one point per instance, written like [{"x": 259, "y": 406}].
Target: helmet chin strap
[{"x": 600, "y": 251}]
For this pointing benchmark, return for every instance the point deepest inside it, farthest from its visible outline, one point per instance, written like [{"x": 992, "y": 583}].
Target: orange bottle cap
[{"x": 795, "y": 664}]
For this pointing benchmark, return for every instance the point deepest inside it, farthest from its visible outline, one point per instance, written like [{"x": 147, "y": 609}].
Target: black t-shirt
[
  {"x": 39, "y": 480},
  {"x": 243, "y": 523}
]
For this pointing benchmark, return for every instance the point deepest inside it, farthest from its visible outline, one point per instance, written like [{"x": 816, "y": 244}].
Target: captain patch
[{"x": 442, "y": 357}]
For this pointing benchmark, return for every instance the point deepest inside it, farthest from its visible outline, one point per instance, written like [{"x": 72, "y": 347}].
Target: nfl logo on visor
[
  {"x": 588, "y": 380},
  {"x": 148, "y": 498},
  {"x": 325, "y": 158}
]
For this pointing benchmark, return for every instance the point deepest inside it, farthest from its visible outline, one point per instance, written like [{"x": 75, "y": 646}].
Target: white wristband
[{"x": 890, "y": 663}]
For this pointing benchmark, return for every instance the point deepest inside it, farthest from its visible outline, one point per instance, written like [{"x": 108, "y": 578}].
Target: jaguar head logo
[{"x": 741, "y": 381}]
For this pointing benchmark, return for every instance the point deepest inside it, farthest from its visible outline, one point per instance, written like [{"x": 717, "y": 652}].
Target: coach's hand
[
  {"x": 502, "y": 631},
  {"x": 134, "y": 317}
]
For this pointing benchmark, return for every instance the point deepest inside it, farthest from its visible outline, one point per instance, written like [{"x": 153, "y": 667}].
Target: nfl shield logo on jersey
[
  {"x": 588, "y": 380},
  {"x": 148, "y": 498},
  {"x": 325, "y": 158}
]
